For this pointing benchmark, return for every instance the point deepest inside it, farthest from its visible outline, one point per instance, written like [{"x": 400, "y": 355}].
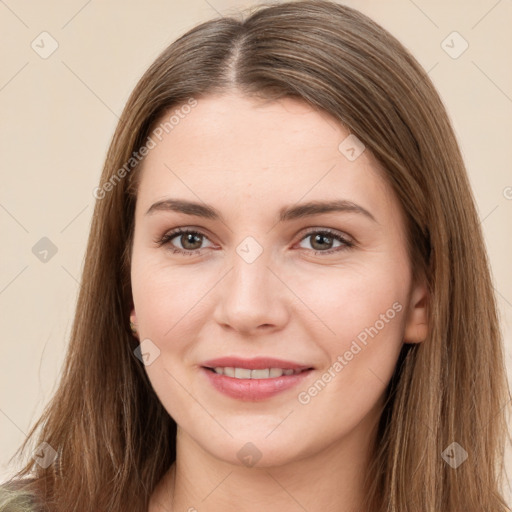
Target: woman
[{"x": 223, "y": 358}]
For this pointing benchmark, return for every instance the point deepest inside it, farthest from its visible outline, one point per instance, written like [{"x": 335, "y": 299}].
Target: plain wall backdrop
[{"x": 67, "y": 70}]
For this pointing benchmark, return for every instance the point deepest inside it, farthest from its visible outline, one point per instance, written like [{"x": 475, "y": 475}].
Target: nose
[{"x": 252, "y": 298}]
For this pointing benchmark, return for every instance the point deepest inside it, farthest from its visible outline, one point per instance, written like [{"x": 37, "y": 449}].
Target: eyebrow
[{"x": 286, "y": 213}]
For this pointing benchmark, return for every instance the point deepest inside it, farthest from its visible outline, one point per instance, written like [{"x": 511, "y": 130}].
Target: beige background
[{"x": 59, "y": 113}]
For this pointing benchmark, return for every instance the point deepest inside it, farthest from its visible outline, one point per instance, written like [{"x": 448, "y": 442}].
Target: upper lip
[{"x": 255, "y": 363}]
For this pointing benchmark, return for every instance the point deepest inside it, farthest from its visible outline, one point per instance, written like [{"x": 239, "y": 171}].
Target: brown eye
[
  {"x": 189, "y": 240},
  {"x": 322, "y": 241}
]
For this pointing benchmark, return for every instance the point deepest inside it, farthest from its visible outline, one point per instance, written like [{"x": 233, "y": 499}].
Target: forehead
[{"x": 229, "y": 149}]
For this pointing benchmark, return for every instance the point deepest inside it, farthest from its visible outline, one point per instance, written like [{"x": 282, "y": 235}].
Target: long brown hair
[{"x": 113, "y": 437}]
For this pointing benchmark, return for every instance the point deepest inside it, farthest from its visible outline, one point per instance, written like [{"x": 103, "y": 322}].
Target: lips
[
  {"x": 257, "y": 363},
  {"x": 254, "y": 388}
]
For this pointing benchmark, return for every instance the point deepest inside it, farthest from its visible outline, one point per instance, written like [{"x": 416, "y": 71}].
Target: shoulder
[{"x": 15, "y": 498}]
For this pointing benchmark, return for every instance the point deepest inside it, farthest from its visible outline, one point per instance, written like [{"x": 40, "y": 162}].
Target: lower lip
[{"x": 253, "y": 389}]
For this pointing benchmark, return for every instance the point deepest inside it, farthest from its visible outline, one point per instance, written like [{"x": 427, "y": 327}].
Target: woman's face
[{"x": 259, "y": 276}]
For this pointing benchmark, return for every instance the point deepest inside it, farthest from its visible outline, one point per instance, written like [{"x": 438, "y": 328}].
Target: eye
[
  {"x": 188, "y": 238},
  {"x": 324, "y": 238},
  {"x": 190, "y": 241}
]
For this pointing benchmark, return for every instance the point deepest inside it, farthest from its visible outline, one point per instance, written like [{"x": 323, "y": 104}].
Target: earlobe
[
  {"x": 133, "y": 323},
  {"x": 416, "y": 326}
]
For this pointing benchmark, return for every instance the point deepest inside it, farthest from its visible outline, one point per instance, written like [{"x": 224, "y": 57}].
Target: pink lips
[
  {"x": 253, "y": 389},
  {"x": 254, "y": 364}
]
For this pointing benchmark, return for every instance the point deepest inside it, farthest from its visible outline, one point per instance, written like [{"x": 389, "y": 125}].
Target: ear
[
  {"x": 133, "y": 323},
  {"x": 416, "y": 326}
]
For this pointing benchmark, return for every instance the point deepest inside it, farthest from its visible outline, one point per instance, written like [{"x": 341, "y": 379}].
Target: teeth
[
  {"x": 242, "y": 373},
  {"x": 229, "y": 372},
  {"x": 275, "y": 372},
  {"x": 245, "y": 373},
  {"x": 257, "y": 374}
]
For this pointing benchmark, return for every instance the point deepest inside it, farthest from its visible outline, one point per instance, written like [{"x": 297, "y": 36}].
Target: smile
[
  {"x": 253, "y": 385},
  {"x": 246, "y": 373}
]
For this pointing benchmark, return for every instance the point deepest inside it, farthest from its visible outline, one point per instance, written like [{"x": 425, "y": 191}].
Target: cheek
[
  {"x": 165, "y": 299},
  {"x": 365, "y": 311},
  {"x": 167, "y": 303},
  {"x": 353, "y": 298},
  {"x": 363, "y": 304}
]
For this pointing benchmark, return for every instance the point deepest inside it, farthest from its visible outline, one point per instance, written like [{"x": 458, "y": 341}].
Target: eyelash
[{"x": 166, "y": 239}]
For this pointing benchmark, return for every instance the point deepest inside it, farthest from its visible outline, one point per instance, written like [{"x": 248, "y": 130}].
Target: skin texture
[{"x": 249, "y": 158}]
